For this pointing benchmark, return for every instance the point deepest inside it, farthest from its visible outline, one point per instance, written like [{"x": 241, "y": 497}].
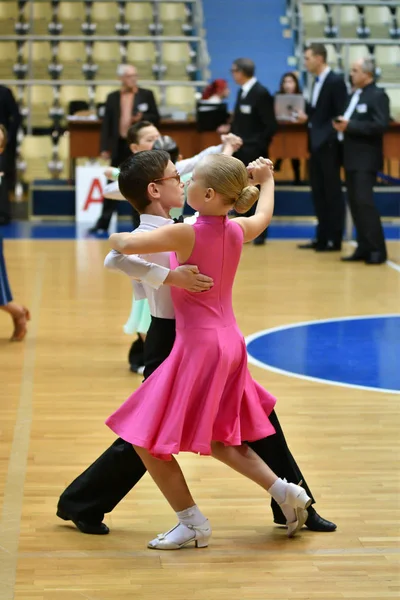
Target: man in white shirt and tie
[
  {"x": 328, "y": 99},
  {"x": 362, "y": 125}
]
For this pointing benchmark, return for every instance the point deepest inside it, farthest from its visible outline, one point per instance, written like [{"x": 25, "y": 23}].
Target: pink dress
[{"x": 203, "y": 391}]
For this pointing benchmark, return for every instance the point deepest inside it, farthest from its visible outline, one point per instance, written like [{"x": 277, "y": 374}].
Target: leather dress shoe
[
  {"x": 307, "y": 246},
  {"x": 356, "y": 257},
  {"x": 259, "y": 241},
  {"x": 317, "y": 523},
  {"x": 314, "y": 522},
  {"x": 97, "y": 230},
  {"x": 375, "y": 258},
  {"x": 328, "y": 247},
  {"x": 84, "y": 526}
]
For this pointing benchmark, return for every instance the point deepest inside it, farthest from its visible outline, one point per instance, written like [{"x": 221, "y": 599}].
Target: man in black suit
[
  {"x": 328, "y": 100},
  {"x": 10, "y": 119},
  {"x": 124, "y": 107},
  {"x": 363, "y": 125},
  {"x": 254, "y": 118}
]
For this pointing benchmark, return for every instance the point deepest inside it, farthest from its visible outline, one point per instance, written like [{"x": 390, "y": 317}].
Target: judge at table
[{"x": 124, "y": 107}]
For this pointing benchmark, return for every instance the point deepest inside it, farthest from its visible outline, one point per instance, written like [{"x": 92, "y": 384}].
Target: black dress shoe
[
  {"x": 308, "y": 246},
  {"x": 317, "y": 523},
  {"x": 356, "y": 257},
  {"x": 136, "y": 368},
  {"x": 313, "y": 523},
  {"x": 375, "y": 258},
  {"x": 97, "y": 230},
  {"x": 328, "y": 247},
  {"x": 84, "y": 526},
  {"x": 259, "y": 241}
]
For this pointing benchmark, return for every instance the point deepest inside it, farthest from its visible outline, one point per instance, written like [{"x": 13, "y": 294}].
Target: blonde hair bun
[{"x": 246, "y": 199}]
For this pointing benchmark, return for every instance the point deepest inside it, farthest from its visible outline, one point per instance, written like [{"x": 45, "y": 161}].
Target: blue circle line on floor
[{"x": 273, "y": 356}]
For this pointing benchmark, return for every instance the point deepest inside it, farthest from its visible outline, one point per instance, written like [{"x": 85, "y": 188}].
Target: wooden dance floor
[{"x": 59, "y": 386}]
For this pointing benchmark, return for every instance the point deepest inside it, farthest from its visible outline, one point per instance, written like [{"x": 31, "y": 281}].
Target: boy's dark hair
[
  {"x": 318, "y": 50},
  {"x": 137, "y": 171},
  {"x": 165, "y": 142},
  {"x": 245, "y": 66},
  {"x": 132, "y": 136}
]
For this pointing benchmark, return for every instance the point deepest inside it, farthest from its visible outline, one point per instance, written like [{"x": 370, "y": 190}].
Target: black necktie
[{"x": 179, "y": 219}]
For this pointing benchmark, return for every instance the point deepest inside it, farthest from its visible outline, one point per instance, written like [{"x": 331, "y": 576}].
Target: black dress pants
[
  {"x": 110, "y": 206},
  {"x": 327, "y": 194},
  {"x": 360, "y": 195},
  {"x": 295, "y": 167},
  {"x": 105, "y": 483},
  {"x": 5, "y": 186}
]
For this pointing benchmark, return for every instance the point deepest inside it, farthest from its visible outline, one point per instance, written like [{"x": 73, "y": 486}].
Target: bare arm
[
  {"x": 171, "y": 238},
  {"x": 261, "y": 171}
]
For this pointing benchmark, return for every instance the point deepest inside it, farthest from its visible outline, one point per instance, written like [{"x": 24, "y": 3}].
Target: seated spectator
[
  {"x": 216, "y": 91},
  {"x": 212, "y": 110},
  {"x": 289, "y": 84}
]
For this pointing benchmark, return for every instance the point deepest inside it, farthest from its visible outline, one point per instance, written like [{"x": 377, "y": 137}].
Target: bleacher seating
[{"x": 47, "y": 70}]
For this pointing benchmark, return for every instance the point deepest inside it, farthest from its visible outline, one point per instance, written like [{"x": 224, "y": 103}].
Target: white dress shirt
[
  {"x": 150, "y": 269},
  {"x": 318, "y": 86},
  {"x": 246, "y": 87},
  {"x": 350, "y": 109},
  {"x": 183, "y": 167}
]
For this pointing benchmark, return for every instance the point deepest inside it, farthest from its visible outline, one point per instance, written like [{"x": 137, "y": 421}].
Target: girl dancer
[
  {"x": 144, "y": 136},
  {"x": 202, "y": 399}
]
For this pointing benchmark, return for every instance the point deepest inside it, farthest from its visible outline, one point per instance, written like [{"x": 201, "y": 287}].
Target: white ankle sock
[
  {"x": 181, "y": 532},
  {"x": 191, "y": 516},
  {"x": 278, "y": 492}
]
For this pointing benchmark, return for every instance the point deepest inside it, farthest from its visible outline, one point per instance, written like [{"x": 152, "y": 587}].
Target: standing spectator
[
  {"x": 253, "y": 119},
  {"x": 124, "y": 107},
  {"x": 10, "y": 119},
  {"x": 328, "y": 100},
  {"x": 363, "y": 124}
]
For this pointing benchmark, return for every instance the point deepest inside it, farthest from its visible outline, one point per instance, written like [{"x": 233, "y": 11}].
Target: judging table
[{"x": 290, "y": 140}]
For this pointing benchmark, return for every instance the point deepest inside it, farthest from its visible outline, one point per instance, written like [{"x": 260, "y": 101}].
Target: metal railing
[
  {"x": 194, "y": 64},
  {"x": 342, "y": 44}
]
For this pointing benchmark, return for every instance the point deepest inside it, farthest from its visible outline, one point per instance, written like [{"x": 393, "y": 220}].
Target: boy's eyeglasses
[{"x": 177, "y": 178}]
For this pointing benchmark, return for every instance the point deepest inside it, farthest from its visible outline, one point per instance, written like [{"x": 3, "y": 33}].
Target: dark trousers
[
  {"x": 5, "y": 204},
  {"x": 5, "y": 291},
  {"x": 110, "y": 206},
  {"x": 360, "y": 195},
  {"x": 295, "y": 167},
  {"x": 327, "y": 194},
  {"x": 103, "y": 485},
  {"x": 247, "y": 153}
]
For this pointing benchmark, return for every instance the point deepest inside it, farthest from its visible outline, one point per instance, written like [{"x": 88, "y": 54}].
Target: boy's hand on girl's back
[{"x": 188, "y": 277}]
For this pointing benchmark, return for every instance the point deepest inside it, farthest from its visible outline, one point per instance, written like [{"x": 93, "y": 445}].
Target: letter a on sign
[{"x": 95, "y": 194}]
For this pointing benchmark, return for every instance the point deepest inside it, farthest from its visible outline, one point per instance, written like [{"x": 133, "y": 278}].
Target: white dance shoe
[
  {"x": 297, "y": 498},
  {"x": 183, "y": 535}
]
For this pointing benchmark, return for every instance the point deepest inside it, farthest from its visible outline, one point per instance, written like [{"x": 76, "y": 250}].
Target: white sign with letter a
[{"x": 90, "y": 182}]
